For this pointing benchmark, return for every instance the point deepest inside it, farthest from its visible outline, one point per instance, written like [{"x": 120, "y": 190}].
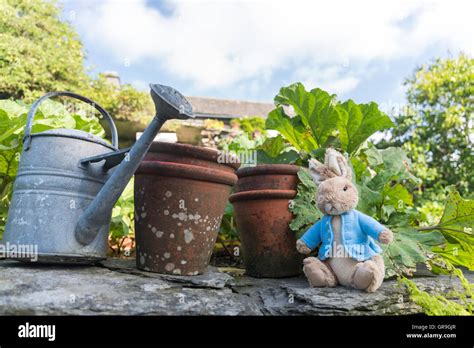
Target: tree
[
  {"x": 125, "y": 102},
  {"x": 437, "y": 130},
  {"x": 38, "y": 52}
]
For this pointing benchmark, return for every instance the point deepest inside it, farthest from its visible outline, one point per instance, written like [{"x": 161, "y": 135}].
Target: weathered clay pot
[
  {"x": 192, "y": 155},
  {"x": 180, "y": 196},
  {"x": 268, "y": 177},
  {"x": 262, "y": 219}
]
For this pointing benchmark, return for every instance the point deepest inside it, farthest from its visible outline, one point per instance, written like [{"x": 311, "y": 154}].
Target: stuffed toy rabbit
[{"x": 348, "y": 254}]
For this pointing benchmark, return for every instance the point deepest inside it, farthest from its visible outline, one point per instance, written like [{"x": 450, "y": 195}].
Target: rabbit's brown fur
[{"x": 337, "y": 195}]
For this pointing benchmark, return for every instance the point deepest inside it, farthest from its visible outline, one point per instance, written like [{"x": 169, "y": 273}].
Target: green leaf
[
  {"x": 241, "y": 143},
  {"x": 273, "y": 146},
  {"x": 275, "y": 150},
  {"x": 303, "y": 206},
  {"x": 387, "y": 211},
  {"x": 374, "y": 156},
  {"x": 316, "y": 108},
  {"x": 228, "y": 229},
  {"x": 123, "y": 214},
  {"x": 394, "y": 160},
  {"x": 457, "y": 225},
  {"x": 360, "y": 169},
  {"x": 292, "y": 129},
  {"x": 350, "y": 121},
  {"x": 296, "y": 96},
  {"x": 397, "y": 196},
  {"x": 395, "y": 165},
  {"x": 10, "y": 126},
  {"x": 55, "y": 120},
  {"x": 368, "y": 200},
  {"x": 51, "y": 108},
  {"x": 456, "y": 255},
  {"x": 325, "y": 116},
  {"x": 458, "y": 213},
  {"x": 320, "y": 118},
  {"x": 287, "y": 157},
  {"x": 359, "y": 122},
  {"x": 12, "y": 109},
  {"x": 409, "y": 247},
  {"x": 89, "y": 125},
  {"x": 8, "y": 163}
]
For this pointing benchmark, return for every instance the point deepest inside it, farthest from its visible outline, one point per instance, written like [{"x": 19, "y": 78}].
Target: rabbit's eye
[{"x": 345, "y": 188}]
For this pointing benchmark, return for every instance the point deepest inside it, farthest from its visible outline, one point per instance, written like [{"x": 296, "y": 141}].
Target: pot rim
[
  {"x": 268, "y": 169},
  {"x": 187, "y": 171},
  {"x": 262, "y": 194},
  {"x": 202, "y": 153}
]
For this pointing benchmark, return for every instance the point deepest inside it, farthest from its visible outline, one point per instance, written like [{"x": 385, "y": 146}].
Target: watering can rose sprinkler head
[{"x": 169, "y": 104}]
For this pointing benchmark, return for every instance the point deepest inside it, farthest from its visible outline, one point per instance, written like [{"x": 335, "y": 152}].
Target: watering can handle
[{"x": 34, "y": 107}]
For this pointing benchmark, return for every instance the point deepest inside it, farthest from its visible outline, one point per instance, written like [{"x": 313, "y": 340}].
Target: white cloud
[
  {"x": 340, "y": 86},
  {"x": 215, "y": 44},
  {"x": 334, "y": 78}
]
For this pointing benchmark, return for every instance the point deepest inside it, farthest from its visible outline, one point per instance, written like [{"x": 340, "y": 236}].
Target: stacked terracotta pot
[
  {"x": 180, "y": 195},
  {"x": 261, "y": 211}
]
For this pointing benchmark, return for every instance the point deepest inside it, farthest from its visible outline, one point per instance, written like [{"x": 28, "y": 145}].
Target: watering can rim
[
  {"x": 76, "y": 134},
  {"x": 34, "y": 107}
]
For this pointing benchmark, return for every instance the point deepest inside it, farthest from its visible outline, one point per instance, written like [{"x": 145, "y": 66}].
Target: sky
[{"x": 362, "y": 50}]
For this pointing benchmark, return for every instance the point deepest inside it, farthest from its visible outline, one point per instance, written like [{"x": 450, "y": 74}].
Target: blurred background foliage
[
  {"x": 39, "y": 53},
  {"x": 436, "y": 127}
]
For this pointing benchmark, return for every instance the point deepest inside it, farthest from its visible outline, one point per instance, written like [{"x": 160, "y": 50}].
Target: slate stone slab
[
  {"x": 117, "y": 287},
  {"x": 212, "y": 279}
]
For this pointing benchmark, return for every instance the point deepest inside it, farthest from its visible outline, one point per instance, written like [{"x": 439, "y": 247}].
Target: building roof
[{"x": 226, "y": 109}]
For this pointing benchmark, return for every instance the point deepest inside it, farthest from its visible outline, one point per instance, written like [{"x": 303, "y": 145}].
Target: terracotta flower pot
[
  {"x": 180, "y": 196},
  {"x": 268, "y": 177},
  {"x": 263, "y": 219},
  {"x": 192, "y": 155}
]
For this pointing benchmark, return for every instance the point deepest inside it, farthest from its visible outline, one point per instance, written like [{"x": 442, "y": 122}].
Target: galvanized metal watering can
[{"x": 68, "y": 182}]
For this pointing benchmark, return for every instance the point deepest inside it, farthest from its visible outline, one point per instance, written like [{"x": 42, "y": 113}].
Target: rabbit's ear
[
  {"x": 337, "y": 163},
  {"x": 345, "y": 168},
  {"x": 319, "y": 172}
]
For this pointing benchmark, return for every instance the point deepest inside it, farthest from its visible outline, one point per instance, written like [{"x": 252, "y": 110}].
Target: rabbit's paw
[
  {"x": 386, "y": 237},
  {"x": 318, "y": 273},
  {"x": 302, "y": 247}
]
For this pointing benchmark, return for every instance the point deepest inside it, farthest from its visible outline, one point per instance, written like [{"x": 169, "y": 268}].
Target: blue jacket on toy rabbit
[{"x": 358, "y": 232}]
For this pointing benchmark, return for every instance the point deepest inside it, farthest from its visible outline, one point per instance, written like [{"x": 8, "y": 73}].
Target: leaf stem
[
  {"x": 428, "y": 228},
  {"x": 438, "y": 227}
]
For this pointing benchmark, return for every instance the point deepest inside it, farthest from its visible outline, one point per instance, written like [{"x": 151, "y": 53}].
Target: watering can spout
[{"x": 169, "y": 104}]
